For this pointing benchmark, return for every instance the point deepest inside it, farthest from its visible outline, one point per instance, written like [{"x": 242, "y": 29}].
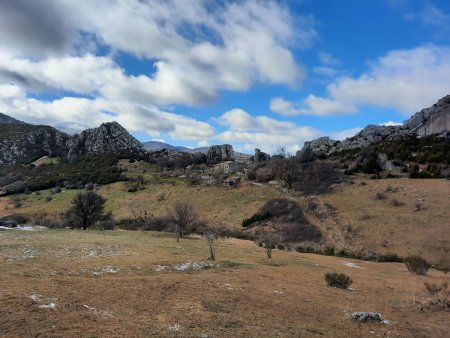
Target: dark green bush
[
  {"x": 281, "y": 247},
  {"x": 156, "y": 224},
  {"x": 417, "y": 265},
  {"x": 328, "y": 251},
  {"x": 338, "y": 280},
  {"x": 389, "y": 257},
  {"x": 258, "y": 217},
  {"x": 19, "y": 219}
]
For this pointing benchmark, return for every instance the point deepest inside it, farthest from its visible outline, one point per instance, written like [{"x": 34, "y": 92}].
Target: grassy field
[
  {"x": 388, "y": 223},
  {"x": 120, "y": 283},
  {"x": 220, "y": 205}
]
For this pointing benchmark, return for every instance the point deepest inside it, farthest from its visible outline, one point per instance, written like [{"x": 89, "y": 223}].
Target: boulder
[
  {"x": 369, "y": 317},
  {"x": 220, "y": 153}
]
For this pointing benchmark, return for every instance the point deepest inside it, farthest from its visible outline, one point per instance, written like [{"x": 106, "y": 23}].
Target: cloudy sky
[{"x": 200, "y": 72}]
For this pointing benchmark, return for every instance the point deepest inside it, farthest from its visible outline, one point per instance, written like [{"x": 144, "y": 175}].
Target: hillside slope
[{"x": 352, "y": 217}]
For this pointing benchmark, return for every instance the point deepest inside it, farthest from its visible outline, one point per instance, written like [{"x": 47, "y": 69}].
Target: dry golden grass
[
  {"x": 220, "y": 205},
  {"x": 380, "y": 226},
  {"x": 106, "y": 284},
  {"x": 377, "y": 225}
]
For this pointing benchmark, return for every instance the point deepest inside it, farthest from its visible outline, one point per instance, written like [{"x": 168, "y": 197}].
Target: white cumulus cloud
[{"x": 404, "y": 80}]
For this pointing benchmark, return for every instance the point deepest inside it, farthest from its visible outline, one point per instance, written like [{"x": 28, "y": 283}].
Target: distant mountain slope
[
  {"x": 5, "y": 119},
  {"x": 24, "y": 143},
  {"x": 155, "y": 146}
]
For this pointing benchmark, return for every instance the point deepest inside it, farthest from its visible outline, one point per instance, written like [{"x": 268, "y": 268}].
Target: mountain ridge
[
  {"x": 21, "y": 142},
  {"x": 428, "y": 121}
]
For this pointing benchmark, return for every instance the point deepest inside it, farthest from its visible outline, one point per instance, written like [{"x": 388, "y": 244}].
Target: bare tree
[
  {"x": 210, "y": 237},
  {"x": 183, "y": 215},
  {"x": 268, "y": 240}
]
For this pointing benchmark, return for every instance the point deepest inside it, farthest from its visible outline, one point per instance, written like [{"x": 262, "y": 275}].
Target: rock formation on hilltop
[
  {"x": 110, "y": 137},
  {"x": 24, "y": 143},
  {"x": 220, "y": 153},
  {"x": 432, "y": 120},
  {"x": 260, "y": 156}
]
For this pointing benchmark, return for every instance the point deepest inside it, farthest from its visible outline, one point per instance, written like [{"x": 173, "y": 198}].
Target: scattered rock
[
  {"x": 369, "y": 317},
  {"x": 175, "y": 327}
]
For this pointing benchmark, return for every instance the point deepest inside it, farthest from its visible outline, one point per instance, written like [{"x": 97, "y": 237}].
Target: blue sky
[{"x": 200, "y": 72}]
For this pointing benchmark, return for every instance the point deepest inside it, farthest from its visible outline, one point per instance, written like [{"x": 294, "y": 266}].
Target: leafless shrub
[
  {"x": 264, "y": 174},
  {"x": 268, "y": 241},
  {"x": 439, "y": 295},
  {"x": 183, "y": 215},
  {"x": 338, "y": 280},
  {"x": 16, "y": 201},
  {"x": 211, "y": 237}
]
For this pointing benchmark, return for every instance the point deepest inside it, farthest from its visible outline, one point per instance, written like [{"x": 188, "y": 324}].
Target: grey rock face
[
  {"x": 220, "y": 153},
  {"x": 260, "y": 156},
  {"x": 370, "y": 135},
  {"x": 322, "y": 145},
  {"x": 110, "y": 137},
  {"x": 432, "y": 120}
]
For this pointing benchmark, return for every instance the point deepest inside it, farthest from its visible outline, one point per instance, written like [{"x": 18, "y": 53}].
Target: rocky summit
[
  {"x": 24, "y": 143},
  {"x": 110, "y": 137},
  {"x": 432, "y": 120},
  {"x": 428, "y": 121}
]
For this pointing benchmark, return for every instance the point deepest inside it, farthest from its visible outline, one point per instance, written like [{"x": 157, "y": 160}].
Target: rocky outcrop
[
  {"x": 110, "y": 137},
  {"x": 25, "y": 143},
  {"x": 220, "y": 153},
  {"x": 22, "y": 143},
  {"x": 260, "y": 156},
  {"x": 432, "y": 120},
  {"x": 319, "y": 146},
  {"x": 370, "y": 135}
]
